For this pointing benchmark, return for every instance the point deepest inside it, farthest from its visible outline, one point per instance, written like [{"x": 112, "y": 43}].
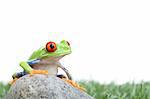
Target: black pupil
[{"x": 51, "y": 46}]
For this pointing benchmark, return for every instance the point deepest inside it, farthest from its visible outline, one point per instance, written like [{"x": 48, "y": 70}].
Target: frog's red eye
[
  {"x": 68, "y": 43},
  {"x": 51, "y": 46}
]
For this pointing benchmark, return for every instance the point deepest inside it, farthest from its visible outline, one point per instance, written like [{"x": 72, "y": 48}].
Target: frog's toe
[
  {"x": 74, "y": 84},
  {"x": 39, "y": 72},
  {"x": 62, "y": 76},
  {"x": 13, "y": 81}
]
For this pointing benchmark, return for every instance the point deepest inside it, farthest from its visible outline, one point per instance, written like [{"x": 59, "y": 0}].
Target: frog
[{"x": 46, "y": 60}]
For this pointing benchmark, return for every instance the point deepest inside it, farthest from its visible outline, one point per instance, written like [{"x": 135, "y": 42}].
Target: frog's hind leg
[
  {"x": 16, "y": 76},
  {"x": 71, "y": 82}
]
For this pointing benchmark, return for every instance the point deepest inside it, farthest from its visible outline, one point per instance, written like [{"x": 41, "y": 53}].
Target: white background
[{"x": 110, "y": 39}]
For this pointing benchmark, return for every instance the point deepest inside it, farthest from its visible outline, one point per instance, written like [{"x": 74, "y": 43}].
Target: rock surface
[{"x": 44, "y": 87}]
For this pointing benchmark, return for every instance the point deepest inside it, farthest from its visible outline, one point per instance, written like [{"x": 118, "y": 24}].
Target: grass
[
  {"x": 113, "y": 91},
  {"x": 3, "y": 89},
  {"x": 107, "y": 91}
]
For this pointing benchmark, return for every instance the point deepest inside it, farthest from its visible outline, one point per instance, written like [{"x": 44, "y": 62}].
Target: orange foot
[
  {"x": 74, "y": 84},
  {"x": 13, "y": 81},
  {"x": 39, "y": 72}
]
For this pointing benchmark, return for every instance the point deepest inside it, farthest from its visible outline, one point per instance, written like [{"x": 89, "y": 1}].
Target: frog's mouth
[
  {"x": 53, "y": 59},
  {"x": 46, "y": 60},
  {"x": 56, "y": 54},
  {"x": 50, "y": 57}
]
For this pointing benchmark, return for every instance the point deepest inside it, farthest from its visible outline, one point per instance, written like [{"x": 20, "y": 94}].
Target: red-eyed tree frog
[{"x": 45, "y": 60}]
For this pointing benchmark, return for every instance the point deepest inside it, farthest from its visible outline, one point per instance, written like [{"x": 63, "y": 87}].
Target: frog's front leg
[
  {"x": 69, "y": 80},
  {"x": 27, "y": 68}
]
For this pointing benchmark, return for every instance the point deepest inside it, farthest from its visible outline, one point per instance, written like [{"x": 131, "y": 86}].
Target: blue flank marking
[{"x": 33, "y": 61}]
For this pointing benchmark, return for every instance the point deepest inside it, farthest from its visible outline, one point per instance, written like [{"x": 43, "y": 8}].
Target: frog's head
[{"x": 52, "y": 49}]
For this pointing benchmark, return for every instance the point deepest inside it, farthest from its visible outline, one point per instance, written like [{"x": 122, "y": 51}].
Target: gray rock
[{"x": 44, "y": 87}]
